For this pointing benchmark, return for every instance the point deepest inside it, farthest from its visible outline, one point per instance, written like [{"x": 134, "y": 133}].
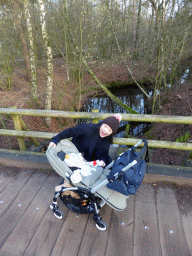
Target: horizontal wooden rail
[
  {"x": 94, "y": 116},
  {"x": 31, "y": 134},
  {"x": 100, "y": 116},
  {"x": 120, "y": 141}
]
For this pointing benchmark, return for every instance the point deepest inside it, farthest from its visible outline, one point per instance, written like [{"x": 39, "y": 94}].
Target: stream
[
  {"x": 134, "y": 98},
  {"x": 131, "y": 96}
]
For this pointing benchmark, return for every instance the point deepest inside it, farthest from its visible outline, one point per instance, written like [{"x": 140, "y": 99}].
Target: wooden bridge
[{"x": 157, "y": 221}]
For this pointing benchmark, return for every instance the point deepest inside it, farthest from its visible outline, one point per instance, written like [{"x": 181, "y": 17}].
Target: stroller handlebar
[
  {"x": 138, "y": 144},
  {"x": 141, "y": 153}
]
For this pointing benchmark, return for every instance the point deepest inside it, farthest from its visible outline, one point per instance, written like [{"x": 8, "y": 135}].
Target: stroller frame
[
  {"x": 90, "y": 201},
  {"x": 95, "y": 206}
]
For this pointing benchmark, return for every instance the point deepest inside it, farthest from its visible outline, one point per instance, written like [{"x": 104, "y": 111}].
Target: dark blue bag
[{"x": 127, "y": 182}]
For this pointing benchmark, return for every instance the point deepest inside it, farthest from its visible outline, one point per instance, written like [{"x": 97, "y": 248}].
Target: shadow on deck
[{"x": 157, "y": 221}]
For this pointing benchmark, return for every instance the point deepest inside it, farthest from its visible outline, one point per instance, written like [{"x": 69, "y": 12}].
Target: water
[
  {"x": 186, "y": 76},
  {"x": 132, "y": 97},
  {"x": 185, "y": 71}
]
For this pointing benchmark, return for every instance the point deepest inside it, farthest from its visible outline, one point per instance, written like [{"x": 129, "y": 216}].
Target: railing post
[
  {"x": 95, "y": 121},
  {"x": 25, "y": 128},
  {"x": 17, "y": 125}
]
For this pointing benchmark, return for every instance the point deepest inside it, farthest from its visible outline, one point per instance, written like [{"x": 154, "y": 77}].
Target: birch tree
[
  {"x": 31, "y": 50},
  {"x": 46, "y": 41}
]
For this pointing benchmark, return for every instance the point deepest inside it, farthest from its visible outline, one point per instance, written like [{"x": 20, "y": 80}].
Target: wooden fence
[{"x": 22, "y": 131}]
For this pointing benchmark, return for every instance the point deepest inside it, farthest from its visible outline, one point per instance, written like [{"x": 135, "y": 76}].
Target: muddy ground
[{"x": 177, "y": 101}]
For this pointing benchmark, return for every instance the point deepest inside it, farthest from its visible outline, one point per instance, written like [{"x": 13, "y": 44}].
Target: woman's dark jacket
[{"x": 88, "y": 141}]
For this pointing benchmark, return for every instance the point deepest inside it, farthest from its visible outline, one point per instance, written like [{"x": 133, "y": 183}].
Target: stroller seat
[{"x": 56, "y": 157}]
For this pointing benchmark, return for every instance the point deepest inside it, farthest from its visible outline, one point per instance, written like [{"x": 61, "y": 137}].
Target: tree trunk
[
  {"x": 66, "y": 43},
  {"x": 19, "y": 29},
  {"x": 31, "y": 51},
  {"x": 49, "y": 61},
  {"x": 25, "y": 50},
  {"x": 133, "y": 22},
  {"x": 138, "y": 25}
]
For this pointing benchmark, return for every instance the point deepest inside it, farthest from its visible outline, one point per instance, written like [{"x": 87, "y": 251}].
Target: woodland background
[{"x": 56, "y": 53}]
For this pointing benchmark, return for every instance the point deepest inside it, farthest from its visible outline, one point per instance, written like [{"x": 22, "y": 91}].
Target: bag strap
[
  {"x": 147, "y": 155},
  {"x": 144, "y": 151}
]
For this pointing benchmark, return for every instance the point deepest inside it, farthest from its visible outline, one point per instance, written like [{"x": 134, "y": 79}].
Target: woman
[{"x": 92, "y": 140}]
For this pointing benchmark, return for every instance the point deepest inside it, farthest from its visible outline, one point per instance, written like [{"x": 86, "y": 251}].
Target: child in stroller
[{"x": 87, "y": 186}]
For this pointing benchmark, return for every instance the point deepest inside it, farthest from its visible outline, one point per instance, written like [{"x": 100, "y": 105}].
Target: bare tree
[
  {"x": 46, "y": 41},
  {"x": 138, "y": 24},
  {"x": 17, "y": 18},
  {"x": 31, "y": 50},
  {"x": 134, "y": 21}
]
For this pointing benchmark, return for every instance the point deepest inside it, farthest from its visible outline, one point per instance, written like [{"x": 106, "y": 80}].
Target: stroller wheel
[
  {"x": 53, "y": 206},
  {"x": 58, "y": 214},
  {"x": 101, "y": 225}
]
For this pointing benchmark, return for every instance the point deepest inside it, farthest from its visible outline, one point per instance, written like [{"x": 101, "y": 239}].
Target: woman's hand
[
  {"x": 52, "y": 145},
  {"x": 100, "y": 163}
]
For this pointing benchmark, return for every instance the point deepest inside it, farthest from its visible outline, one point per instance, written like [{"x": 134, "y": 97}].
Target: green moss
[
  {"x": 186, "y": 136},
  {"x": 183, "y": 164},
  {"x": 126, "y": 133},
  {"x": 149, "y": 134},
  {"x": 8, "y": 116},
  {"x": 183, "y": 138},
  {"x": 190, "y": 155},
  {"x": 175, "y": 185},
  {"x": 118, "y": 84}
]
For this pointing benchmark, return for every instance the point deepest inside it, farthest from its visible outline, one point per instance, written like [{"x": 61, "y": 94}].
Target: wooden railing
[{"x": 22, "y": 131}]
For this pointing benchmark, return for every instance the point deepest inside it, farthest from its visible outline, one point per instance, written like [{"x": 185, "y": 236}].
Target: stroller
[{"x": 111, "y": 185}]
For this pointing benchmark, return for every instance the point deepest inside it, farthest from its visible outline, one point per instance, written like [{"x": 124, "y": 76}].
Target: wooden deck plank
[
  {"x": 94, "y": 242},
  {"x": 146, "y": 240},
  {"x": 184, "y": 199},
  {"x": 120, "y": 241},
  {"x": 13, "y": 214},
  {"x": 12, "y": 188},
  {"x": 172, "y": 237},
  {"x": 6, "y": 175},
  {"x": 4, "y": 181},
  {"x": 187, "y": 225},
  {"x": 4, "y": 178},
  {"x": 71, "y": 234},
  {"x": 47, "y": 233},
  {"x": 27, "y": 226}
]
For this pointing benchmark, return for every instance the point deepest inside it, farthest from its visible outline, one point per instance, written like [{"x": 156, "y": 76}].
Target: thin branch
[{"x": 119, "y": 48}]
